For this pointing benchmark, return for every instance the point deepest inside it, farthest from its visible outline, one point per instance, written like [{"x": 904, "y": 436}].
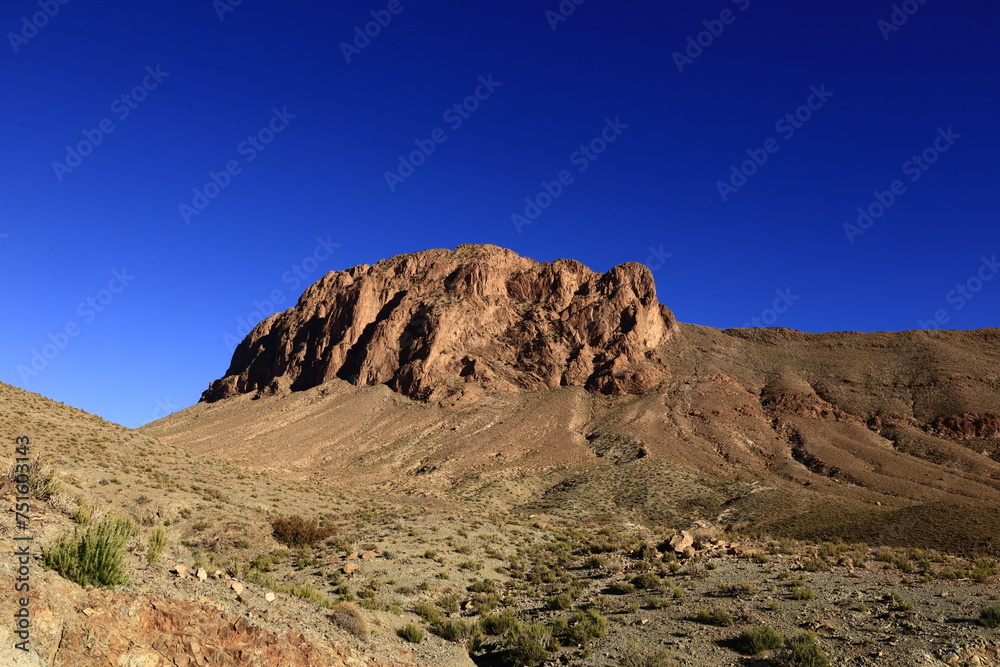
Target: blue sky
[{"x": 172, "y": 172}]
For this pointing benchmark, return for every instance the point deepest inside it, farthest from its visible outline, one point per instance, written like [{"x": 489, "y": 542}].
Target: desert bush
[
  {"x": 803, "y": 593},
  {"x": 349, "y": 618},
  {"x": 621, "y": 588},
  {"x": 530, "y": 645},
  {"x": 989, "y": 617},
  {"x": 559, "y": 602},
  {"x": 297, "y": 531},
  {"x": 482, "y": 586},
  {"x": 500, "y": 624},
  {"x": 38, "y": 475},
  {"x": 633, "y": 656},
  {"x": 156, "y": 544},
  {"x": 450, "y": 603},
  {"x": 757, "y": 640},
  {"x": 586, "y": 625},
  {"x": 428, "y": 612},
  {"x": 647, "y": 580},
  {"x": 707, "y": 617},
  {"x": 454, "y": 630},
  {"x": 95, "y": 558},
  {"x": 802, "y": 651},
  {"x": 411, "y": 633}
]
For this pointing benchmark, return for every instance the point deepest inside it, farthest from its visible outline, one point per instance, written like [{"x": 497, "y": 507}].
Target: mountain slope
[{"x": 501, "y": 395}]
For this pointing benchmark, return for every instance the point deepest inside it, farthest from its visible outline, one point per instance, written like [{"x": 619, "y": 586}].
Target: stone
[
  {"x": 681, "y": 541},
  {"x": 350, "y": 567},
  {"x": 180, "y": 570},
  {"x": 269, "y": 596},
  {"x": 201, "y": 574},
  {"x": 237, "y": 587},
  {"x": 375, "y": 325},
  {"x": 368, "y": 555}
]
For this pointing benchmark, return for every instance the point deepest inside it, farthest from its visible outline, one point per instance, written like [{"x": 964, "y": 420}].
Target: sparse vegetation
[
  {"x": 411, "y": 633},
  {"x": 757, "y": 640},
  {"x": 156, "y": 544},
  {"x": 989, "y": 617},
  {"x": 348, "y": 617},
  {"x": 297, "y": 531},
  {"x": 94, "y": 558}
]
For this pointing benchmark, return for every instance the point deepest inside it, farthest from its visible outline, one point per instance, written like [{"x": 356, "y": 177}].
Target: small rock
[
  {"x": 353, "y": 556},
  {"x": 269, "y": 596},
  {"x": 368, "y": 554},
  {"x": 217, "y": 574},
  {"x": 350, "y": 567},
  {"x": 541, "y": 525},
  {"x": 180, "y": 570},
  {"x": 237, "y": 587},
  {"x": 201, "y": 574}
]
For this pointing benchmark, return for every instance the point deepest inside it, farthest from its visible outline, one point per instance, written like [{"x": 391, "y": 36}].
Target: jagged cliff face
[{"x": 441, "y": 322}]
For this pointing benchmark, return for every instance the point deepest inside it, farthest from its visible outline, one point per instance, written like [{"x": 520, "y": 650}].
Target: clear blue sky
[{"x": 267, "y": 92}]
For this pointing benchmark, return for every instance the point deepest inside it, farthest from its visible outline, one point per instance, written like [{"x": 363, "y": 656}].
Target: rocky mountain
[
  {"x": 427, "y": 323},
  {"x": 546, "y": 386}
]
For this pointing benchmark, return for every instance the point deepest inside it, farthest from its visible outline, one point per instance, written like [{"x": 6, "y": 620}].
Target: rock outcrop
[{"x": 438, "y": 322}]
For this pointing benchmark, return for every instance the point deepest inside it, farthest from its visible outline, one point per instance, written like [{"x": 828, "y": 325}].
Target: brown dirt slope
[{"x": 662, "y": 419}]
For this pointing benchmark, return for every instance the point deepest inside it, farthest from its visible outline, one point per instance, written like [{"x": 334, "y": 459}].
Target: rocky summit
[{"x": 429, "y": 324}]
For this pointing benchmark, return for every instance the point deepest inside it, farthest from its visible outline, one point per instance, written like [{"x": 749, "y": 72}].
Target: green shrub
[
  {"x": 989, "y": 617},
  {"x": 95, "y": 558},
  {"x": 500, "y": 624},
  {"x": 559, "y": 602},
  {"x": 482, "y": 586},
  {"x": 802, "y": 651},
  {"x": 758, "y": 640},
  {"x": 621, "y": 588},
  {"x": 297, "y": 531},
  {"x": 586, "y": 625},
  {"x": 455, "y": 630},
  {"x": 157, "y": 542},
  {"x": 450, "y": 603},
  {"x": 428, "y": 612},
  {"x": 530, "y": 645},
  {"x": 707, "y": 617},
  {"x": 411, "y": 633},
  {"x": 803, "y": 593},
  {"x": 647, "y": 580}
]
